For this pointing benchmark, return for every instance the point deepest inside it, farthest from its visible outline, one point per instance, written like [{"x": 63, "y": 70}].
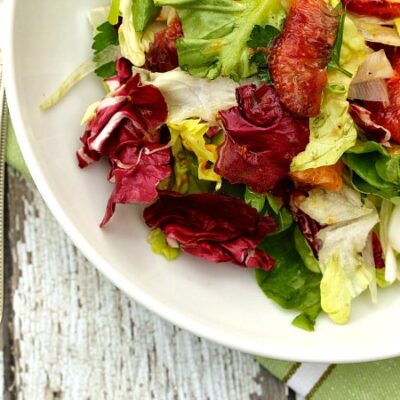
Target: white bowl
[{"x": 45, "y": 40}]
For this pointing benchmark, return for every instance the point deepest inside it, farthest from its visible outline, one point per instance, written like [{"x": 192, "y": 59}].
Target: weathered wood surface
[{"x": 72, "y": 335}]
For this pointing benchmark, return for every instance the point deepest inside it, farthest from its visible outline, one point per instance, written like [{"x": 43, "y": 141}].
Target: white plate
[{"x": 45, "y": 40}]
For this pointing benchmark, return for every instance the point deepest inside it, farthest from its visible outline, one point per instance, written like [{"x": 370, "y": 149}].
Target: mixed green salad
[{"x": 263, "y": 133}]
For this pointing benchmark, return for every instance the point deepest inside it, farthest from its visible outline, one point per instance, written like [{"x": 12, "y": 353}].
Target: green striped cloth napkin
[
  {"x": 368, "y": 381},
  {"x": 379, "y": 380}
]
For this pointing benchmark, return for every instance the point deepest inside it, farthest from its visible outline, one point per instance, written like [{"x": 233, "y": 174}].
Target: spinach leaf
[
  {"x": 290, "y": 284},
  {"x": 255, "y": 200},
  {"x": 261, "y": 37},
  {"x": 305, "y": 251},
  {"x": 106, "y": 70},
  {"x": 275, "y": 209},
  {"x": 374, "y": 170},
  {"x": 229, "y": 189}
]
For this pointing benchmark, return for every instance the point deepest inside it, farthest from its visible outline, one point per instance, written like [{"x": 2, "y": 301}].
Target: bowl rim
[{"x": 133, "y": 291}]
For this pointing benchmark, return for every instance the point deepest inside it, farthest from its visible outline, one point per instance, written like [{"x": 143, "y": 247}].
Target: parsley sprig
[
  {"x": 107, "y": 36},
  {"x": 261, "y": 38}
]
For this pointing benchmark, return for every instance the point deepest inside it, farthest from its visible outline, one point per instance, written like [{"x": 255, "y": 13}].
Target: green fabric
[
  {"x": 13, "y": 153},
  {"x": 368, "y": 381},
  {"x": 280, "y": 369}
]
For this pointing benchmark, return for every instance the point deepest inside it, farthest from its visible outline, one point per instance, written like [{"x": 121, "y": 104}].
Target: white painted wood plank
[{"x": 76, "y": 336}]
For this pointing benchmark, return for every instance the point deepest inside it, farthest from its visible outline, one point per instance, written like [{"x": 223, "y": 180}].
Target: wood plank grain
[{"x": 75, "y": 336}]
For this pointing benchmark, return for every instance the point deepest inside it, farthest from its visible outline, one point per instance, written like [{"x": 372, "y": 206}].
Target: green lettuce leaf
[
  {"x": 159, "y": 245},
  {"x": 190, "y": 97},
  {"x": 333, "y": 131},
  {"x": 114, "y": 12},
  {"x": 255, "y": 200},
  {"x": 216, "y": 33},
  {"x": 144, "y": 11},
  {"x": 290, "y": 284},
  {"x": 374, "y": 169}
]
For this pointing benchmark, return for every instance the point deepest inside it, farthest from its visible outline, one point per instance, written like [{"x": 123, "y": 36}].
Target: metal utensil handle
[{"x": 3, "y": 136}]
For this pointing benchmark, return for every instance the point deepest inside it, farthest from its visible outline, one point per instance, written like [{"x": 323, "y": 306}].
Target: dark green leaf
[
  {"x": 232, "y": 190},
  {"x": 106, "y": 70},
  {"x": 290, "y": 283},
  {"x": 144, "y": 11},
  {"x": 283, "y": 217},
  {"x": 261, "y": 61},
  {"x": 107, "y": 36},
  {"x": 262, "y": 37}
]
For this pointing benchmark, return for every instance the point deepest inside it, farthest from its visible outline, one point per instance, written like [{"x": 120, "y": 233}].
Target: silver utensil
[{"x": 3, "y": 136}]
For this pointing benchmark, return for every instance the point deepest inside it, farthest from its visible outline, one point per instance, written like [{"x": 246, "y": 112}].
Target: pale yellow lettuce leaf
[{"x": 191, "y": 133}]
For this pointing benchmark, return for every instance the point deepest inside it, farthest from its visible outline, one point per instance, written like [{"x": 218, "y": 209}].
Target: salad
[{"x": 262, "y": 133}]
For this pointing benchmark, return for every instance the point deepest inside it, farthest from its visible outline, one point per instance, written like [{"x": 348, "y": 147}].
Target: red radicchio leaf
[
  {"x": 378, "y": 252},
  {"x": 124, "y": 73},
  {"x": 126, "y": 129},
  {"x": 262, "y": 139},
  {"x": 141, "y": 110},
  {"x": 138, "y": 183},
  {"x": 162, "y": 55},
  {"x": 373, "y": 131},
  {"x": 215, "y": 227},
  {"x": 309, "y": 228}
]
